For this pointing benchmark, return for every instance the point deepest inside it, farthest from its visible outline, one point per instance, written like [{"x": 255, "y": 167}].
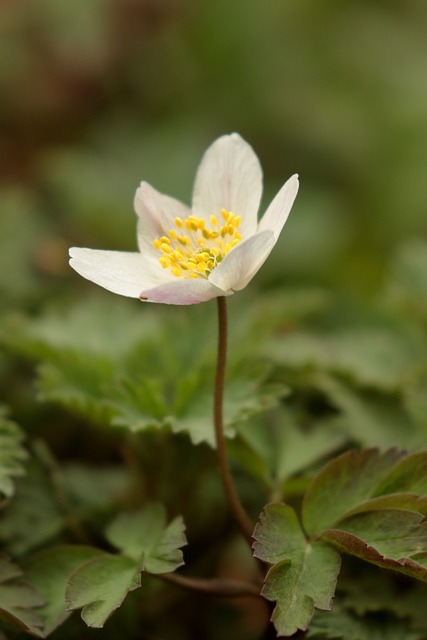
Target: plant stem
[
  {"x": 236, "y": 506},
  {"x": 214, "y": 586}
]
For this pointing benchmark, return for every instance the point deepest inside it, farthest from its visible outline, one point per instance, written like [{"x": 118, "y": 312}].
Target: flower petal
[
  {"x": 241, "y": 264},
  {"x": 156, "y": 214},
  {"x": 229, "y": 177},
  {"x": 191, "y": 291},
  {"x": 118, "y": 271},
  {"x": 277, "y": 213}
]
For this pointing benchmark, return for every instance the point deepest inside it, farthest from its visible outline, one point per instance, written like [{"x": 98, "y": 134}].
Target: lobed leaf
[
  {"x": 348, "y": 505},
  {"x": 303, "y": 575},
  {"x": 49, "y": 571},
  {"x": 144, "y": 536},
  {"x": 390, "y": 538},
  {"x": 99, "y": 587}
]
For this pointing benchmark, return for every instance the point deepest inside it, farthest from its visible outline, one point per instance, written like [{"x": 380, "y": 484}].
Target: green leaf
[
  {"x": 78, "y": 383},
  {"x": 372, "y": 358},
  {"x": 343, "y": 484},
  {"x": 303, "y": 575},
  {"x": 370, "y": 418},
  {"x": 142, "y": 378},
  {"x": 99, "y": 587},
  {"x": 246, "y": 394},
  {"x": 138, "y": 403},
  {"x": 12, "y": 454},
  {"x": 390, "y": 538},
  {"x": 347, "y": 505},
  {"x": 49, "y": 571},
  {"x": 342, "y": 624},
  {"x": 33, "y": 516},
  {"x": 18, "y": 599},
  {"x": 145, "y": 537},
  {"x": 408, "y": 474},
  {"x": 282, "y": 446}
]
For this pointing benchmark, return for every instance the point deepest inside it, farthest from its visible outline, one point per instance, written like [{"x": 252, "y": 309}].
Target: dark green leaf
[
  {"x": 343, "y": 484},
  {"x": 408, "y": 475},
  {"x": 390, "y": 538},
  {"x": 303, "y": 575},
  {"x": 341, "y": 624}
]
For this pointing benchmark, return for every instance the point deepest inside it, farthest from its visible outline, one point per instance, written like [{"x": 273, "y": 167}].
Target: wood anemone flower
[{"x": 187, "y": 256}]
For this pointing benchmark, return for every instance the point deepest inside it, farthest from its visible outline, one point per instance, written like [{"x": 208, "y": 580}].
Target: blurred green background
[{"x": 100, "y": 94}]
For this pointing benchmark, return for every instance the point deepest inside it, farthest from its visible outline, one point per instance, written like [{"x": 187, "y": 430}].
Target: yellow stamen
[{"x": 196, "y": 254}]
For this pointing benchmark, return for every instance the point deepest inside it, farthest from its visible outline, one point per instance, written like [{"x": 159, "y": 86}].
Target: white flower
[{"x": 188, "y": 255}]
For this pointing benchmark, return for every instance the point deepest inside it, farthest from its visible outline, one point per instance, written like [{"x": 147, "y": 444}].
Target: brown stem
[
  {"x": 236, "y": 506},
  {"x": 213, "y": 586}
]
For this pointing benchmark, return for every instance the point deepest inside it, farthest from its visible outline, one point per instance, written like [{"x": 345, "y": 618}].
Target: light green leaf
[
  {"x": 138, "y": 403},
  {"x": 144, "y": 536},
  {"x": 143, "y": 377},
  {"x": 281, "y": 446},
  {"x": 12, "y": 455},
  {"x": 371, "y": 419},
  {"x": 48, "y": 571},
  {"x": 303, "y": 575},
  {"x": 378, "y": 359},
  {"x": 79, "y": 383},
  {"x": 100, "y": 586},
  {"x": 18, "y": 599}
]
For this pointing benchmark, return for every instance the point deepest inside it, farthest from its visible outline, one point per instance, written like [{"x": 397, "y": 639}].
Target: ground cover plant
[{"x": 248, "y": 460}]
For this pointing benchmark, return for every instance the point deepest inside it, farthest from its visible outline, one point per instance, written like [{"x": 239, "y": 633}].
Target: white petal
[
  {"x": 191, "y": 291},
  {"x": 277, "y": 213},
  {"x": 241, "y": 264},
  {"x": 118, "y": 271},
  {"x": 156, "y": 214},
  {"x": 229, "y": 177}
]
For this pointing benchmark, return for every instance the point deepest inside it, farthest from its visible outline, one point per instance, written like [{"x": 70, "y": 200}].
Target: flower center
[{"x": 193, "y": 249}]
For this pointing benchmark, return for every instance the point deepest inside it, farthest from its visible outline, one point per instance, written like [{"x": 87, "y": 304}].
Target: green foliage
[
  {"x": 12, "y": 455},
  {"x": 350, "y": 506},
  {"x": 328, "y": 345},
  {"x": 144, "y": 537},
  {"x": 146, "y": 543},
  {"x": 18, "y": 600},
  {"x": 34, "y": 517},
  {"x": 303, "y": 575},
  {"x": 341, "y": 624},
  {"x": 48, "y": 571},
  {"x": 141, "y": 378},
  {"x": 100, "y": 586},
  {"x": 362, "y": 503}
]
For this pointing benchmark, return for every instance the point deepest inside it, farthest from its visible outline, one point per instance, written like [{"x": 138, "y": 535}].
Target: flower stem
[
  {"x": 213, "y": 586},
  {"x": 236, "y": 506}
]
